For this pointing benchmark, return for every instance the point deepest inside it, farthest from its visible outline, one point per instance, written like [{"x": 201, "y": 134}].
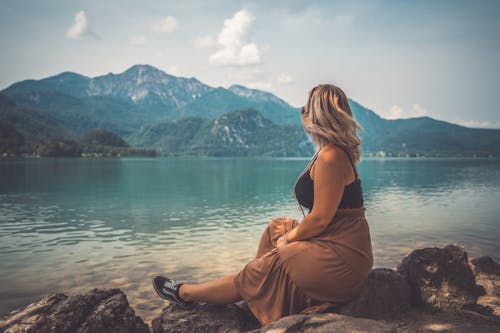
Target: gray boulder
[
  {"x": 326, "y": 323},
  {"x": 385, "y": 294},
  {"x": 440, "y": 278},
  {"x": 203, "y": 318},
  {"x": 97, "y": 311},
  {"x": 487, "y": 274}
]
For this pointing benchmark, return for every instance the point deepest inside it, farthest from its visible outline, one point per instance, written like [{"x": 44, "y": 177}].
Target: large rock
[
  {"x": 440, "y": 278},
  {"x": 202, "y": 318},
  {"x": 325, "y": 323},
  {"x": 385, "y": 294},
  {"x": 487, "y": 274},
  {"x": 97, "y": 311}
]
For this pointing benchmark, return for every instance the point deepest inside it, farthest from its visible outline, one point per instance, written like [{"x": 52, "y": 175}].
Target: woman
[{"x": 324, "y": 260}]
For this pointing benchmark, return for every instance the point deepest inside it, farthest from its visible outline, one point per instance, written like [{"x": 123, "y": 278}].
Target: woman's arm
[{"x": 328, "y": 190}]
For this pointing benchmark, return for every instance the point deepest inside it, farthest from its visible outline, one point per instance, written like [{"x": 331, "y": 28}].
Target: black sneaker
[{"x": 169, "y": 290}]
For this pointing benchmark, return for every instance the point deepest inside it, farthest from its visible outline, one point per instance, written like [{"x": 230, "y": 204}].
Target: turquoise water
[{"x": 69, "y": 225}]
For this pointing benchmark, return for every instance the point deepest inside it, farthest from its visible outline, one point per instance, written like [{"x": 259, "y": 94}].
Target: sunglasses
[{"x": 303, "y": 109}]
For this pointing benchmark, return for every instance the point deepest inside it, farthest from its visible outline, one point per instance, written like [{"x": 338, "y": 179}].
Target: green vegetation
[
  {"x": 12, "y": 144},
  {"x": 11, "y": 141},
  {"x": 70, "y": 148},
  {"x": 243, "y": 132},
  {"x": 181, "y": 116},
  {"x": 57, "y": 148},
  {"x": 103, "y": 137}
]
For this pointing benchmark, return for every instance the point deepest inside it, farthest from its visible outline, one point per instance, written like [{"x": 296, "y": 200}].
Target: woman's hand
[{"x": 282, "y": 240}]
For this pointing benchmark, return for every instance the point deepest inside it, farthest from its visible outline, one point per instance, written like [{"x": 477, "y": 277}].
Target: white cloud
[
  {"x": 397, "y": 112},
  {"x": 137, "y": 40},
  {"x": 316, "y": 17},
  {"x": 284, "y": 79},
  {"x": 262, "y": 85},
  {"x": 166, "y": 25},
  {"x": 204, "y": 42},
  {"x": 79, "y": 26},
  {"x": 234, "y": 49},
  {"x": 418, "y": 111},
  {"x": 173, "y": 70},
  {"x": 478, "y": 124}
]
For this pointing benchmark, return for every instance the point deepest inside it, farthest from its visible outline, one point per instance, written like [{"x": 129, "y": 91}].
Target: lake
[{"x": 72, "y": 224}]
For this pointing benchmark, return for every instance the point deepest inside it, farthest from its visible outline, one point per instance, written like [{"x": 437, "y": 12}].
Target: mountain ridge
[{"x": 143, "y": 96}]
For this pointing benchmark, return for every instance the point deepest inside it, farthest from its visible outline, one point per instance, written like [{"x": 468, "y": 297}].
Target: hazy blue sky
[{"x": 398, "y": 58}]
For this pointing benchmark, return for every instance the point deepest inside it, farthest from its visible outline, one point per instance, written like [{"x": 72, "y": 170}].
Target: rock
[
  {"x": 325, "y": 323},
  {"x": 440, "y": 278},
  {"x": 423, "y": 320},
  {"x": 386, "y": 293},
  {"x": 487, "y": 274},
  {"x": 485, "y": 265},
  {"x": 431, "y": 278},
  {"x": 201, "y": 318},
  {"x": 99, "y": 310}
]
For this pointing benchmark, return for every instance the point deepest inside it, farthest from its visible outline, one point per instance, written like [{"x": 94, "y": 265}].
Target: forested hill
[{"x": 147, "y": 106}]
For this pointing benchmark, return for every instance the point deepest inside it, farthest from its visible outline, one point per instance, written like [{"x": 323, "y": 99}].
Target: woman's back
[{"x": 304, "y": 188}]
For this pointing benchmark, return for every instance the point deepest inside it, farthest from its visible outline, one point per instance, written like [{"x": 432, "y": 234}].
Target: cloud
[
  {"x": 79, "y": 27},
  {"x": 204, "y": 42},
  {"x": 397, "y": 112},
  {"x": 316, "y": 17},
  {"x": 261, "y": 85},
  {"x": 137, "y": 40},
  {"x": 478, "y": 123},
  {"x": 233, "y": 47},
  {"x": 166, "y": 25},
  {"x": 284, "y": 79}
]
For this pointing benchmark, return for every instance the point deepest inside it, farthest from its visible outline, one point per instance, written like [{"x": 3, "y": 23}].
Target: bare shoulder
[{"x": 330, "y": 156}]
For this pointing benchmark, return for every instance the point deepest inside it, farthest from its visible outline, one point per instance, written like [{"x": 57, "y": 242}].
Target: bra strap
[
  {"x": 308, "y": 167},
  {"x": 352, "y": 163},
  {"x": 350, "y": 160},
  {"x": 348, "y": 155}
]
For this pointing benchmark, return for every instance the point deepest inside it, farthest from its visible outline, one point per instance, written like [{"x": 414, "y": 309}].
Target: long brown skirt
[{"x": 307, "y": 276}]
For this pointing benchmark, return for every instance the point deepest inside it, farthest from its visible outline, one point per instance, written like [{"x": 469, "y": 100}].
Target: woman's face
[{"x": 304, "y": 111}]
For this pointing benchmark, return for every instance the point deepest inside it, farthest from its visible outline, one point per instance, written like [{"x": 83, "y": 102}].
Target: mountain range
[{"x": 180, "y": 116}]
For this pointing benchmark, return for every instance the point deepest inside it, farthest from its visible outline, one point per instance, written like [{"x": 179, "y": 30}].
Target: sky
[{"x": 400, "y": 59}]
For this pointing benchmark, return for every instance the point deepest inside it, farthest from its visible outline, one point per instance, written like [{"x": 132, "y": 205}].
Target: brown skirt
[{"x": 307, "y": 276}]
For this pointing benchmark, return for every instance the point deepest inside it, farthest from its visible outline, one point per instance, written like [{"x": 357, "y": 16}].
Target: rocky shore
[{"x": 431, "y": 290}]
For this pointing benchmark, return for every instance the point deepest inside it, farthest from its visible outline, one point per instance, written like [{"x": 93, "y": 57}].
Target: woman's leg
[{"x": 220, "y": 291}]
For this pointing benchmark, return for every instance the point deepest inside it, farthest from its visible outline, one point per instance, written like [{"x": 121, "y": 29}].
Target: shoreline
[{"x": 455, "y": 292}]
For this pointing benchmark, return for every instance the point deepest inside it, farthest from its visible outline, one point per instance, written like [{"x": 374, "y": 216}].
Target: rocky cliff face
[{"x": 432, "y": 290}]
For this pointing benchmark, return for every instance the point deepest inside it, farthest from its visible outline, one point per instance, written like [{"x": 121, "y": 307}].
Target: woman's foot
[{"x": 169, "y": 289}]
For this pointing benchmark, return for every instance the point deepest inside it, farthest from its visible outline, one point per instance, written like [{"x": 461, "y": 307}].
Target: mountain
[
  {"x": 140, "y": 95},
  {"x": 242, "y": 132},
  {"x": 118, "y": 102},
  {"x": 11, "y": 141},
  {"x": 31, "y": 124},
  {"x": 100, "y": 137},
  {"x": 269, "y": 105},
  {"x": 422, "y": 135},
  {"x": 143, "y": 103}
]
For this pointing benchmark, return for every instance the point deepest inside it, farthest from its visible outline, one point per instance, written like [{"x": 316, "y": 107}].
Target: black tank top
[{"x": 304, "y": 189}]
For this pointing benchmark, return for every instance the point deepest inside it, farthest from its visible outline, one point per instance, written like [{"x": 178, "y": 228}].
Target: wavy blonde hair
[{"x": 328, "y": 118}]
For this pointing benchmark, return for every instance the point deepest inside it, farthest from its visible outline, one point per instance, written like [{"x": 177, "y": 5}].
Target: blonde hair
[{"x": 328, "y": 118}]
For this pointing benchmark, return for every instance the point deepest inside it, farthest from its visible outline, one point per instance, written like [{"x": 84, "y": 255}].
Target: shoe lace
[{"x": 171, "y": 284}]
